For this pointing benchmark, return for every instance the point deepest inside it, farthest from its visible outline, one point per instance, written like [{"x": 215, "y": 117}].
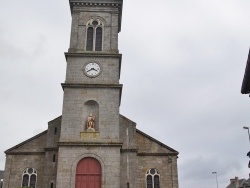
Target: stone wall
[
  {"x": 16, "y": 164},
  {"x": 166, "y": 166},
  {"x": 81, "y": 15},
  {"x": 69, "y": 156},
  {"x": 74, "y": 118}
]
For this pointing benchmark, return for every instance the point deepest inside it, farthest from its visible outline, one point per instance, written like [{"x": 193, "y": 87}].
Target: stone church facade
[{"x": 91, "y": 145}]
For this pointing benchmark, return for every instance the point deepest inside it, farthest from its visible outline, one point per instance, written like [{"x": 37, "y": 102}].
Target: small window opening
[
  {"x": 54, "y": 158},
  {"x": 51, "y": 185},
  {"x": 55, "y": 131}
]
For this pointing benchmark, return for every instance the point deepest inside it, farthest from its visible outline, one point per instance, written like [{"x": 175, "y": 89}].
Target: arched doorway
[{"x": 88, "y": 173}]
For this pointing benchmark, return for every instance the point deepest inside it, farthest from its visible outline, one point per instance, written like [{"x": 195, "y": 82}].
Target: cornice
[
  {"x": 90, "y": 144},
  {"x": 94, "y": 54},
  {"x": 24, "y": 153},
  {"x": 72, "y": 85},
  {"x": 157, "y": 154},
  {"x": 110, "y": 86},
  {"x": 111, "y": 3},
  {"x": 51, "y": 149},
  {"x": 129, "y": 150}
]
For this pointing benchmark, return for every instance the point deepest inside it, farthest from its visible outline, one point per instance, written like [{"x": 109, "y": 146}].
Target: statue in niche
[{"x": 91, "y": 123}]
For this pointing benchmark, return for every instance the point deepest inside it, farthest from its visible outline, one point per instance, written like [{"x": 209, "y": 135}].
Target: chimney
[{"x": 236, "y": 182}]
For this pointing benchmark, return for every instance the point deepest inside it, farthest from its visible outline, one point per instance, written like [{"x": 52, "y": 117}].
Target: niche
[{"x": 91, "y": 116}]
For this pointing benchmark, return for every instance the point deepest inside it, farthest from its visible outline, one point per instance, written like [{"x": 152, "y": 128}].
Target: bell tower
[{"x": 92, "y": 94}]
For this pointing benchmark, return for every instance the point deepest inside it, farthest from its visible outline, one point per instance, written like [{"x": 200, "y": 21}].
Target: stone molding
[
  {"x": 110, "y": 86},
  {"x": 110, "y": 3},
  {"x": 129, "y": 150},
  {"x": 76, "y": 161},
  {"x": 51, "y": 149},
  {"x": 93, "y": 54},
  {"x": 25, "y": 153},
  {"x": 156, "y": 154},
  {"x": 68, "y": 85},
  {"x": 91, "y": 144}
]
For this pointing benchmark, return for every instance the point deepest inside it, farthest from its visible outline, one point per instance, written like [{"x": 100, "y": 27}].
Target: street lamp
[
  {"x": 248, "y": 132},
  {"x": 1, "y": 183},
  {"x": 216, "y": 178}
]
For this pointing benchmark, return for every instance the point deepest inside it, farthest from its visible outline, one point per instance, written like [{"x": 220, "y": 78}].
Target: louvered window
[
  {"x": 153, "y": 179},
  {"x": 90, "y": 35},
  {"x": 98, "y": 41},
  {"x": 94, "y": 39},
  {"x": 29, "y": 177}
]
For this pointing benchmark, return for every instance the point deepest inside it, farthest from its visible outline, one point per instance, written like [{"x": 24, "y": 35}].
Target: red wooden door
[{"x": 88, "y": 173}]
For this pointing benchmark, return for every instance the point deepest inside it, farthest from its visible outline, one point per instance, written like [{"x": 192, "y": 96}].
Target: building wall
[
  {"x": 74, "y": 119},
  {"x": 165, "y": 165},
  {"x": 81, "y": 15},
  {"x": 109, "y": 75},
  {"x": 69, "y": 156},
  {"x": 51, "y": 153},
  {"x": 16, "y": 164}
]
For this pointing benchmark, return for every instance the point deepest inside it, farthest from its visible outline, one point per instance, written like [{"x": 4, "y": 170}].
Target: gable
[
  {"x": 145, "y": 144},
  {"x": 245, "y": 88},
  {"x": 148, "y": 145},
  {"x": 34, "y": 144}
]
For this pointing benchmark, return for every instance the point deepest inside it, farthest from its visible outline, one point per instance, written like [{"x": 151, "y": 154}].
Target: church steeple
[
  {"x": 92, "y": 93},
  {"x": 95, "y": 25}
]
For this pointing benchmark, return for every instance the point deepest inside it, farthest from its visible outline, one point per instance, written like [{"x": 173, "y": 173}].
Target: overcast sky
[{"x": 182, "y": 69}]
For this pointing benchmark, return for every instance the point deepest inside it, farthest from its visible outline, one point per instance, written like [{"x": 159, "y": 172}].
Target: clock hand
[{"x": 90, "y": 69}]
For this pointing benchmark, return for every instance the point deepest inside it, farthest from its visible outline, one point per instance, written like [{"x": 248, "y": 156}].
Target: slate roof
[{"x": 245, "y": 88}]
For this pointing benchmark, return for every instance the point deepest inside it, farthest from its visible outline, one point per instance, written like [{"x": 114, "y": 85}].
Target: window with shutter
[
  {"x": 90, "y": 36},
  {"x": 98, "y": 41}
]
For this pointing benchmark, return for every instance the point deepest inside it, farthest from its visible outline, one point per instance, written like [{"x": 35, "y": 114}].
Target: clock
[{"x": 92, "y": 69}]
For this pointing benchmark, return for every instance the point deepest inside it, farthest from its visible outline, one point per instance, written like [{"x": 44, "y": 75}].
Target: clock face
[{"x": 92, "y": 69}]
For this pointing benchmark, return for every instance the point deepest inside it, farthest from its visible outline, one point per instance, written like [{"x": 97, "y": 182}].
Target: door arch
[{"x": 88, "y": 173}]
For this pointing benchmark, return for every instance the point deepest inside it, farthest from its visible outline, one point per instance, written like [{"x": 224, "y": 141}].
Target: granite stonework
[
  {"x": 81, "y": 15},
  {"x": 131, "y": 158},
  {"x": 124, "y": 153}
]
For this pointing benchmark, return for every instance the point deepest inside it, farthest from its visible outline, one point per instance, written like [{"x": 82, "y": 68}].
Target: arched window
[
  {"x": 94, "y": 35},
  {"x": 153, "y": 178},
  {"x": 29, "y": 177}
]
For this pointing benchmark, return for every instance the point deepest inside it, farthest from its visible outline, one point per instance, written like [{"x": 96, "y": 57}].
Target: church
[{"x": 91, "y": 145}]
